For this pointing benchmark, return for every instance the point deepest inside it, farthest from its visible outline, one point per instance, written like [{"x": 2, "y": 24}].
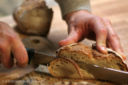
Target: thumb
[{"x": 73, "y": 37}]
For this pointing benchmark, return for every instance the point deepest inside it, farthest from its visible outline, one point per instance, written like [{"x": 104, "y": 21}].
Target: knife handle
[{"x": 30, "y": 52}]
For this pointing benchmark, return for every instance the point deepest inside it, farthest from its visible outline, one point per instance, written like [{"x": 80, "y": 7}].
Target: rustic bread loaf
[
  {"x": 33, "y": 17},
  {"x": 82, "y": 54}
]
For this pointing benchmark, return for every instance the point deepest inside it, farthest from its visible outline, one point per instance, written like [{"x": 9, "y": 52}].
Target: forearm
[{"x": 68, "y": 6}]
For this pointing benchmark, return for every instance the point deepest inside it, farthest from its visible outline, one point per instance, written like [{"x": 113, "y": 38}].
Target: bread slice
[
  {"x": 64, "y": 68},
  {"x": 83, "y": 54}
]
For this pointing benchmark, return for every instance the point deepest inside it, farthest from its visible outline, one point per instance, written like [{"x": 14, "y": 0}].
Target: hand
[
  {"x": 83, "y": 24},
  {"x": 11, "y": 43}
]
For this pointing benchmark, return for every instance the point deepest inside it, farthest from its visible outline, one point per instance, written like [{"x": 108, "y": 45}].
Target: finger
[
  {"x": 113, "y": 39},
  {"x": 0, "y": 59},
  {"x": 75, "y": 34},
  {"x": 109, "y": 45},
  {"x": 98, "y": 26},
  {"x": 5, "y": 50},
  {"x": 20, "y": 53}
]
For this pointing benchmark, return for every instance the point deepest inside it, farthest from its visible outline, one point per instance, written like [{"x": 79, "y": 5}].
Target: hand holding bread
[{"x": 83, "y": 24}]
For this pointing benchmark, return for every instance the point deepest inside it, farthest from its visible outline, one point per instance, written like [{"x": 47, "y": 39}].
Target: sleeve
[{"x": 68, "y": 6}]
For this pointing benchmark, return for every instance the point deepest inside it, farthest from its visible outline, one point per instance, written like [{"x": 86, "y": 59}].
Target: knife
[
  {"x": 100, "y": 73},
  {"x": 108, "y": 74},
  {"x": 37, "y": 57}
]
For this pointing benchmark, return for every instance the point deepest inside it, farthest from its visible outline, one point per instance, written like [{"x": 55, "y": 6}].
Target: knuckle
[
  {"x": 76, "y": 26},
  {"x": 95, "y": 18},
  {"x": 71, "y": 21},
  {"x": 103, "y": 30},
  {"x": 12, "y": 37},
  {"x": 107, "y": 20},
  {"x": 115, "y": 36},
  {"x": 3, "y": 47}
]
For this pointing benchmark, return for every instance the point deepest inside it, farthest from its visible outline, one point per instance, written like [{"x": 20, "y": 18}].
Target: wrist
[
  {"x": 69, "y": 15},
  {"x": 68, "y": 6}
]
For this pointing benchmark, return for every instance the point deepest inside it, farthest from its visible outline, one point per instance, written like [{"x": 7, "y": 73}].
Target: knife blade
[
  {"x": 37, "y": 57},
  {"x": 108, "y": 74}
]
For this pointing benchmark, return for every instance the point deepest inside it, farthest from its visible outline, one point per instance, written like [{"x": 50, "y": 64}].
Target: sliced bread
[
  {"x": 64, "y": 68},
  {"x": 83, "y": 54}
]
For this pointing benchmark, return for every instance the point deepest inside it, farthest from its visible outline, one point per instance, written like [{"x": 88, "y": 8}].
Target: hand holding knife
[{"x": 39, "y": 57}]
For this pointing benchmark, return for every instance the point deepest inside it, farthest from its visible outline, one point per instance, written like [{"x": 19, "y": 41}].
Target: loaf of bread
[
  {"x": 33, "y": 17},
  {"x": 82, "y": 54}
]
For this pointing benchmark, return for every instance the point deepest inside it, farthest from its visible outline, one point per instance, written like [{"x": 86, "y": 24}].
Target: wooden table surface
[{"x": 115, "y": 10}]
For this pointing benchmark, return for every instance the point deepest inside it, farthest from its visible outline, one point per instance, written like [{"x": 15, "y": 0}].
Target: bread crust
[{"x": 83, "y": 54}]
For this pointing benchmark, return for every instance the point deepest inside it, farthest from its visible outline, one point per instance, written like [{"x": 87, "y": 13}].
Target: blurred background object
[
  {"x": 33, "y": 17},
  {"x": 7, "y": 6}
]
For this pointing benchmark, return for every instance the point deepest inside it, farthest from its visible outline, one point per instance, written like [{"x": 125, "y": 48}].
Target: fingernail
[
  {"x": 124, "y": 57},
  {"x": 104, "y": 50}
]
